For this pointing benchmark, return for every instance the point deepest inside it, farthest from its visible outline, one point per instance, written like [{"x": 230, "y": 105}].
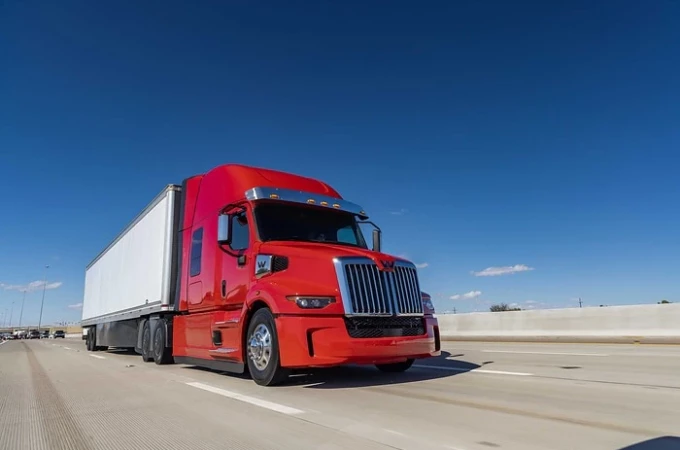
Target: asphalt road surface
[{"x": 478, "y": 396}]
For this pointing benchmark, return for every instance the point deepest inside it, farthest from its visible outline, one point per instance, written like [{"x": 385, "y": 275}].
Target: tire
[
  {"x": 146, "y": 343},
  {"x": 89, "y": 340},
  {"x": 161, "y": 353},
  {"x": 396, "y": 367},
  {"x": 262, "y": 350}
]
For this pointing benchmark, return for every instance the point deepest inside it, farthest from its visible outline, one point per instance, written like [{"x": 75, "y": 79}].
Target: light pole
[
  {"x": 21, "y": 314},
  {"x": 42, "y": 302},
  {"x": 11, "y": 313}
]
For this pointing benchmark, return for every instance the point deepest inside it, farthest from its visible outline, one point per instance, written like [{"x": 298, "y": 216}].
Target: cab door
[{"x": 235, "y": 273}]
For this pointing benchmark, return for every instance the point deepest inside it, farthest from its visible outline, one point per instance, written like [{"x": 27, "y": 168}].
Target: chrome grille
[{"x": 368, "y": 291}]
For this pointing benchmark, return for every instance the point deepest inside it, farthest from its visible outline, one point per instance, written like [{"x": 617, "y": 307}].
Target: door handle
[{"x": 224, "y": 288}]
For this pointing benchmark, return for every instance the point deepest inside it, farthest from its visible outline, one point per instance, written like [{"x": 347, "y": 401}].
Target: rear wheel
[
  {"x": 262, "y": 350},
  {"x": 396, "y": 367},
  {"x": 89, "y": 340},
  {"x": 146, "y": 343},
  {"x": 161, "y": 353}
]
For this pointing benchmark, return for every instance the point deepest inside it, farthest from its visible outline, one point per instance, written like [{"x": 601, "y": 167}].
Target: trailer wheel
[
  {"x": 146, "y": 343},
  {"x": 89, "y": 341},
  {"x": 396, "y": 367},
  {"x": 161, "y": 353},
  {"x": 262, "y": 350}
]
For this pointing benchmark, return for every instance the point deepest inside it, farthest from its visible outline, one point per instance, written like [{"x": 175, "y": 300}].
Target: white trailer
[{"x": 133, "y": 276}]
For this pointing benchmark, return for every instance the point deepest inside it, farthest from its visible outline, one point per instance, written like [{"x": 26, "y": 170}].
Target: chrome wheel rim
[{"x": 260, "y": 346}]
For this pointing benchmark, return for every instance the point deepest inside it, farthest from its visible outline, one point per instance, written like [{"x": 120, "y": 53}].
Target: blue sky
[{"x": 530, "y": 135}]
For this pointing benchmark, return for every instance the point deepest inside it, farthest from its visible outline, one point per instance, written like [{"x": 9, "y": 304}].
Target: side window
[
  {"x": 196, "y": 250},
  {"x": 346, "y": 235},
  {"x": 240, "y": 237}
]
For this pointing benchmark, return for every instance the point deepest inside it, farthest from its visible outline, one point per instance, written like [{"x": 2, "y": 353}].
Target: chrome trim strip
[
  {"x": 342, "y": 284},
  {"x": 289, "y": 195},
  {"x": 223, "y": 350}
]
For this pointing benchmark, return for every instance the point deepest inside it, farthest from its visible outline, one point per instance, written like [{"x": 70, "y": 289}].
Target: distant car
[
  {"x": 45, "y": 334},
  {"x": 59, "y": 334},
  {"x": 33, "y": 334}
]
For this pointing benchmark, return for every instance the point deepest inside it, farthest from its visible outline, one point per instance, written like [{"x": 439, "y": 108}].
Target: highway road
[{"x": 478, "y": 396}]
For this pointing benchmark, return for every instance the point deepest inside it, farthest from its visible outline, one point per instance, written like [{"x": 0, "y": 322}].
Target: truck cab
[{"x": 276, "y": 274}]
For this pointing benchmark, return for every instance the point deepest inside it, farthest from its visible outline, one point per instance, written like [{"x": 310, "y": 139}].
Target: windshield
[{"x": 290, "y": 222}]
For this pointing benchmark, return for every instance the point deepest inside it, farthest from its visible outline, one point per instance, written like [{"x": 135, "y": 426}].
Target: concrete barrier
[{"x": 621, "y": 324}]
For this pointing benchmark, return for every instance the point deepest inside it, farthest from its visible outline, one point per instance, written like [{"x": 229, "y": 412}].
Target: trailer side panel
[{"x": 134, "y": 275}]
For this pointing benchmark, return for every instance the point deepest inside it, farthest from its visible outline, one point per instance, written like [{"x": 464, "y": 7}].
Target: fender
[
  {"x": 262, "y": 292},
  {"x": 140, "y": 331}
]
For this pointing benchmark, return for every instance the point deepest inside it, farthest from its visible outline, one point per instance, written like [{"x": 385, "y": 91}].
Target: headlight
[{"x": 311, "y": 302}]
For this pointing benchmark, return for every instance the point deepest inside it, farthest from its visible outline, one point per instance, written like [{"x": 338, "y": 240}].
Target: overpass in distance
[{"x": 484, "y": 392}]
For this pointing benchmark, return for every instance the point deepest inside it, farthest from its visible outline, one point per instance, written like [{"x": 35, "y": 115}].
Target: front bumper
[{"x": 325, "y": 341}]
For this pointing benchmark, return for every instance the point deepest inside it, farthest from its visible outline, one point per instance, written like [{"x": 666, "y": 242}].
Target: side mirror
[
  {"x": 224, "y": 229},
  {"x": 376, "y": 240}
]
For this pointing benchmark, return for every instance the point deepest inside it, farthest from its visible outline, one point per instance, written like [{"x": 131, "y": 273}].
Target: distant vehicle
[
  {"x": 249, "y": 269},
  {"x": 44, "y": 334},
  {"x": 59, "y": 334},
  {"x": 33, "y": 334}
]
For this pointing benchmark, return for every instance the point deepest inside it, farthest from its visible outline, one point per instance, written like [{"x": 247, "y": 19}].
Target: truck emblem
[
  {"x": 388, "y": 264},
  {"x": 261, "y": 264}
]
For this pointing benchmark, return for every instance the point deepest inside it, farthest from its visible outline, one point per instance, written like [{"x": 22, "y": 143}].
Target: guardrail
[{"x": 659, "y": 323}]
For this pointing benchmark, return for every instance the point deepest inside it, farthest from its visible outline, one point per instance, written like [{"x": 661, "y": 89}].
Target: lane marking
[
  {"x": 97, "y": 356},
  {"x": 398, "y": 433},
  {"x": 67, "y": 348},
  {"x": 460, "y": 369},
  {"x": 545, "y": 353},
  {"x": 247, "y": 399}
]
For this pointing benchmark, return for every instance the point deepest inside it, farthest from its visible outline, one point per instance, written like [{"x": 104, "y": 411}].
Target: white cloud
[
  {"x": 467, "y": 296},
  {"x": 422, "y": 265},
  {"x": 502, "y": 270},
  {"x": 32, "y": 286},
  {"x": 400, "y": 212},
  {"x": 76, "y": 306}
]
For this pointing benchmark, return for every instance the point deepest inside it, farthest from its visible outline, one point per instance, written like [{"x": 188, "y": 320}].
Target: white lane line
[
  {"x": 544, "y": 353},
  {"x": 460, "y": 369},
  {"x": 97, "y": 356},
  {"x": 247, "y": 399},
  {"x": 393, "y": 432},
  {"x": 67, "y": 348}
]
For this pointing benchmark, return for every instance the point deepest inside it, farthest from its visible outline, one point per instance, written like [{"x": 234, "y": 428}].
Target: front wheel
[
  {"x": 396, "y": 367},
  {"x": 262, "y": 350}
]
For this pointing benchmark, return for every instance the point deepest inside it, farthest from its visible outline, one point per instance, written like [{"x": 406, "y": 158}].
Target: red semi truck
[{"x": 249, "y": 269}]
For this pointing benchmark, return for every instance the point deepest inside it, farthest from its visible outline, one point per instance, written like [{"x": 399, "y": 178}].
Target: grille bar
[{"x": 368, "y": 291}]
